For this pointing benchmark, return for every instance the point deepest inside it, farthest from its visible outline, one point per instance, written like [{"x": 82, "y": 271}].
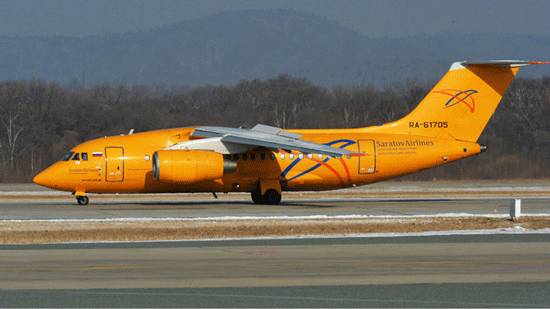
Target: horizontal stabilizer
[{"x": 495, "y": 63}]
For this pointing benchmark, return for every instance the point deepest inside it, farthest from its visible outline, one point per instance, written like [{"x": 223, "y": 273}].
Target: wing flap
[{"x": 214, "y": 144}]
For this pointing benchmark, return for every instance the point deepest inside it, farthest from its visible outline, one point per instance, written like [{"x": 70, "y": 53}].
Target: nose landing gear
[
  {"x": 81, "y": 197},
  {"x": 82, "y": 200}
]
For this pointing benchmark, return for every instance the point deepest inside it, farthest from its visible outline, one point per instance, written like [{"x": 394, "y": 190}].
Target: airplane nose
[{"x": 46, "y": 178}]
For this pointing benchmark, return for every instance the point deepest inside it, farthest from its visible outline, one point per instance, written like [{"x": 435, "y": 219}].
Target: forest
[{"x": 40, "y": 121}]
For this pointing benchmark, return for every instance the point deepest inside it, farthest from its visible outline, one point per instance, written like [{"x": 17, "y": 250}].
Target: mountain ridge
[{"x": 234, "y": 45}]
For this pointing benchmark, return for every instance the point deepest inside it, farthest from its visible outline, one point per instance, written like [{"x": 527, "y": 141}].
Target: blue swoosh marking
[
  {"x": 346, "y": 142},
  {"x": 467, "y": 93}
]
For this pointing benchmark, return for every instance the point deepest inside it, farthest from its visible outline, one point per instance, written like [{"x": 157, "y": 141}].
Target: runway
[
  {"x": 494, "y": 270},
  {"x": 435, "y": 271},
  {"x": 192, "y": 208},
  {"x": 31, "y": 202}
]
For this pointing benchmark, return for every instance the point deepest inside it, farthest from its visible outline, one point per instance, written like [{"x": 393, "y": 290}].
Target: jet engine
[{"x": 182, "y": 166}]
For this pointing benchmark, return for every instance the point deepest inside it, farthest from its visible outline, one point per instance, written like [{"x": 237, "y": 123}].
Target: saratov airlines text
[{"x": 405, "y": 143}]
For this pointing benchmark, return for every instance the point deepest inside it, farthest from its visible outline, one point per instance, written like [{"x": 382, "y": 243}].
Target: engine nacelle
[{"x": 182, "y": 166}]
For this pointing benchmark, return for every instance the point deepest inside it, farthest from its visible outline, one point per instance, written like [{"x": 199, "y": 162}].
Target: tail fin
[{"x": 461, "y": 104}]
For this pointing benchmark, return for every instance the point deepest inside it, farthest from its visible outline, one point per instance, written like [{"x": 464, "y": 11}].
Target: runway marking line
[{"x": 276, "y": 265}]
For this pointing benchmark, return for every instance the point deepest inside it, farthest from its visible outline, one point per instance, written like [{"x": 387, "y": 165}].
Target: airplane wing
[{"x": 231, "y": 140}]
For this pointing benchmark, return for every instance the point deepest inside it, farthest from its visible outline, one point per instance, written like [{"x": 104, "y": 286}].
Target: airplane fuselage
[{"x": 123, "y": 164}]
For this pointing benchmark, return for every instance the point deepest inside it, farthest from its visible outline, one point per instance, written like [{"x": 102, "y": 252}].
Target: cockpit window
[
  {"x": 67, "y": 156},
  {"x": 84, "y": 156},
  {"x": 76, "y": 157}
]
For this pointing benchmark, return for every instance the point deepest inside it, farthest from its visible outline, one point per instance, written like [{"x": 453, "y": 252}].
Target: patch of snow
[{"x": 289, "y": 218}]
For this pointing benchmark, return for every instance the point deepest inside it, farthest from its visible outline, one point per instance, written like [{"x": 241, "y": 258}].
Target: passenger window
[
  {"x": 76, "y": 157},
  {"x": 252, "y": 156},
  {"x": 282, "y": 156},
  {"x": 291, "y": 156},
  {"x": 310, "y": 156},
  {"x": 67, "y": 156},
  {"x": 245, "y": 156},
  {"x": 272, "y": 156},
  {"x": 262, "y": 156},
  {"x": 84, "y": 156},
  {"x": 301, "y": 156},
  {"x": 236, "y": 157}
]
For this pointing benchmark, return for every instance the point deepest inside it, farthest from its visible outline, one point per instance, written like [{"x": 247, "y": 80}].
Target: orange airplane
[{"x": 267, "y": 160}]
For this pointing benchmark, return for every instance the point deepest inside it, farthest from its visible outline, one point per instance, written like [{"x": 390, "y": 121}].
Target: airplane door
[
  {"x": 367, "y": 163},
  {"x": 114, "y": 164}
]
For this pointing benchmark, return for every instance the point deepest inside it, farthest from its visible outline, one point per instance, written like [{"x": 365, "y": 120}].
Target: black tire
[
  {"x": 82, "y": 200},
  {"x": 271, "y": 197},
  {"x": 256, "y": 196}
]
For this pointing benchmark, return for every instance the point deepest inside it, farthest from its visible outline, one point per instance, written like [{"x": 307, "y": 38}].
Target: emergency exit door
[
  {"x": 114, "y": 164},
  {"x": 367, "y": 163}
]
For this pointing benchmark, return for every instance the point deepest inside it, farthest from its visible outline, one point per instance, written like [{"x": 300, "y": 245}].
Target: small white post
[{"x": 515, "y": 209}]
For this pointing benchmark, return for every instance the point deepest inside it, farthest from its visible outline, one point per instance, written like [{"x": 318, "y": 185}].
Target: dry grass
[{"x": 71, "y": 231}]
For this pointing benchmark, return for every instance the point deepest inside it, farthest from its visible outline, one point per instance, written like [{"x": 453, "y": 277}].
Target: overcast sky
[{"x": 386, "y": 18}]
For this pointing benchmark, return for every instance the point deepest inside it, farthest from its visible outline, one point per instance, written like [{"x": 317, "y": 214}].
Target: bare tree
[{"x": 11, "y": 111}]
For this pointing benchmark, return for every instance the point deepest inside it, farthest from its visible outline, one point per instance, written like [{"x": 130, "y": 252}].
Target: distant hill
[{"x": 228, "y": 47}]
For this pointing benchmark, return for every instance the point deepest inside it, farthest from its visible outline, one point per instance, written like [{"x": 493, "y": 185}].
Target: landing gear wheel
[
  {"x": 82, "y": 200},
  {"x": 271, "y": 197},
  {"x": 256, "y": 196}
]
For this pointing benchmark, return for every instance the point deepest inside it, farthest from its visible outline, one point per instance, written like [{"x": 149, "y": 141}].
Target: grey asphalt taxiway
[{"x": 504, "y": 270}]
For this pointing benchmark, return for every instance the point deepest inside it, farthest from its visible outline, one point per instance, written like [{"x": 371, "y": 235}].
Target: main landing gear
[
  {"x": 82, "y": 199},
  {"x": 270, "y": 197}
]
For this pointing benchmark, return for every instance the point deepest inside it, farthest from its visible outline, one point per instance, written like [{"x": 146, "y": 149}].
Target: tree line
[{"x": 40, "y": 121}]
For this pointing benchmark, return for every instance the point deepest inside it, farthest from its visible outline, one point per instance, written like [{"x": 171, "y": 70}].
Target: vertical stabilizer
[{"x": 461, "y": 104}]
